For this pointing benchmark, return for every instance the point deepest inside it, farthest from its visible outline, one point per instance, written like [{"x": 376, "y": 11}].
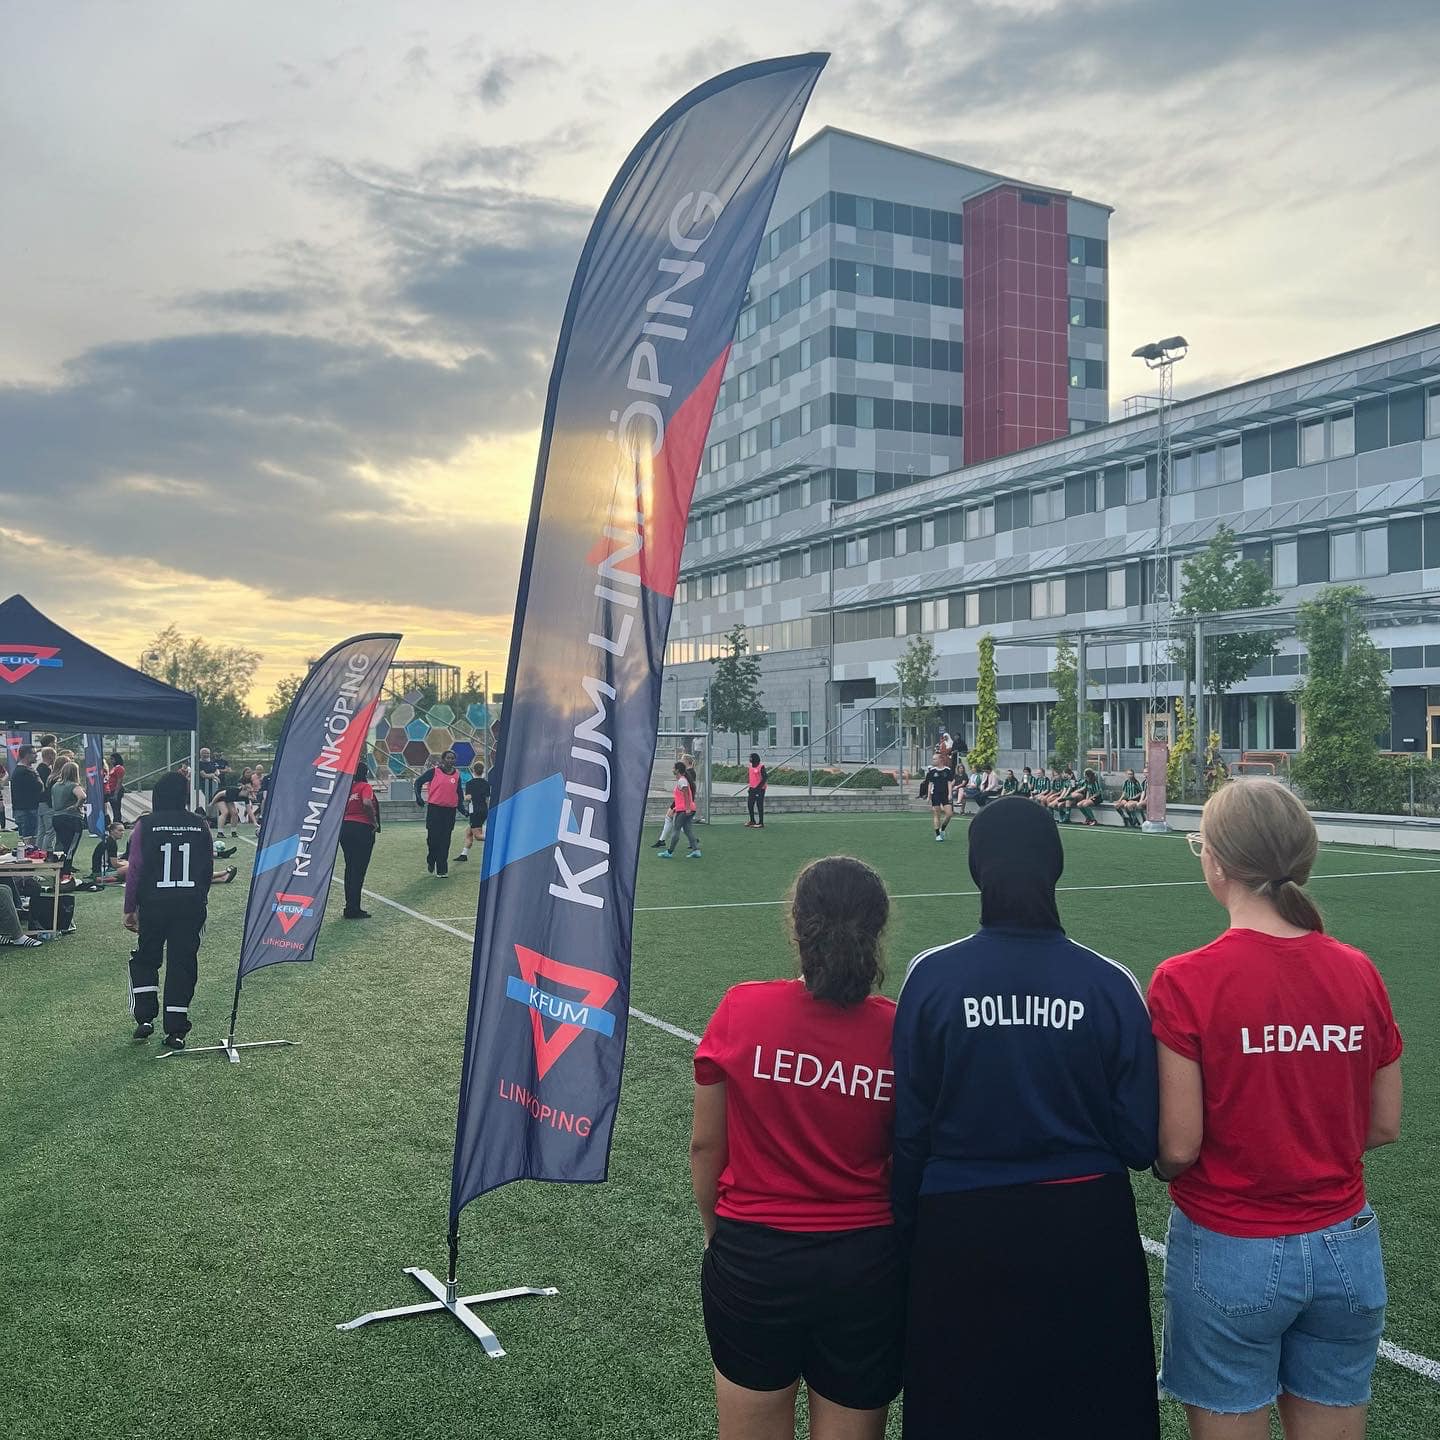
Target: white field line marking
[
  {"x": 1420, "y": 1364},
  {"x": 1428, "y": 858},
  {"x": 1062, "y": 889}
]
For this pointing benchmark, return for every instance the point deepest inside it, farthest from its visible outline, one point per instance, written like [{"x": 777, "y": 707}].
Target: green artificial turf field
[{"x": 181, "y": 1236}]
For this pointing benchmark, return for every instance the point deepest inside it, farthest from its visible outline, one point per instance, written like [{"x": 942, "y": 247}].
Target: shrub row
[{"x": 866, "y": 779}]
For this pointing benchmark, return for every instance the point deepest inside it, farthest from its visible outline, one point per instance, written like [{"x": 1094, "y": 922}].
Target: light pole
[{"x": 1161, "y": 356}]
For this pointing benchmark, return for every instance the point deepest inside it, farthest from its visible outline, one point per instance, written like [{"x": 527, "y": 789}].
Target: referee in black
[{"x": 172, "y": 862}]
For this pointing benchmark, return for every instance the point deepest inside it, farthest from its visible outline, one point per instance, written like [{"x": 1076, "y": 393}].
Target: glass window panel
[
  {"x": 1077, "y": 373},
  {"x": 864, "y": 213},
  {"x": 775, "y": 306},
  {"x": 864, "y": 279},
  {"x": 865, "y": 345},
  {"x": 1207, "y": 470},
  {"x": 927, "y": 534},
  {"x": 1231, "y": 467},
  {"x": 1284, "y": 562},
  {"x": 1135, "y": 484},
  {"x": 804, "y": 235},
  {"x": 1182, "y": 472},
  {"x": 805, "y": 288},
  {"x": 1312, "y": 442},
  {"x": 1432, "y": 411},
  {"x": 864, "y": 412},
  {"x": 1077, "y": 249},
  {"x": 807, "y": 354},
  {"x": 864, "y": 484},
  {"x": 776, "y": 431},
  {"x": 902, "y": 540},
  {"x": 972, "y": 608},
  {"x": 1342, "y": 433},
  {"x": 1375, "y": 550},
  {"x": 1344, "y": 555},
  {"x": 900, "y": 620},
  {"x": 1077, "y": 309},
  {"x": 806, "y": 414},
  {"x": 1115, "y": 589}
]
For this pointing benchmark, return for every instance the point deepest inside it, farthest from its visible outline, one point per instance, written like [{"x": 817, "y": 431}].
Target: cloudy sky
[{"x": 281, "y": 280}]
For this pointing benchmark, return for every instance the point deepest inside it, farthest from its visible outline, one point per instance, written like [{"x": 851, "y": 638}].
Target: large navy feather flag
[{"x": 641, "y": 355}]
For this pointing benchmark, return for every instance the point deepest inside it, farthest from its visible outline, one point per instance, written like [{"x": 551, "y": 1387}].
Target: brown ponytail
[
  {"x": 838, "y": 909},
  {"x": 1263, "y": 838}
]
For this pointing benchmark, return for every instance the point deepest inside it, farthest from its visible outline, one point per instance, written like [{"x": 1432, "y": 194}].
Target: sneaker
[
  {"x": 225, "y": 852},
  {"x": 230, "y": 872},
  {"x": 174, "y": 1042},
  {"x": 938, "y": 837},
  {"x": 693, "y": 855},
  {"x": 749, "y": 824},
  {"x": 666, "y": 855},
  {"x": 658, "y": 845},
  {"x": 761, "y": 825},
  {"x": 462, "y": 857},
  {"x": 144, "y": 1029},
  {"x": 68, "y": 930},
  {"x": 355, "y": 915},
  {"x": 442, "y": 874}
]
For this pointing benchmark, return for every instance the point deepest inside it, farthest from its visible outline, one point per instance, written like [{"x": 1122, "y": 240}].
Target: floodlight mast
[{"x": 1161, "y": 356}]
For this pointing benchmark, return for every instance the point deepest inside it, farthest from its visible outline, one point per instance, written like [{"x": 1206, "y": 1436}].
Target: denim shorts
[{"x": 1246, "y": 1319}]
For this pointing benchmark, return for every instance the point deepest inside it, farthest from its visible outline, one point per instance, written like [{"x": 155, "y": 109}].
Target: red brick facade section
[{"x": 1017, "y": 363}]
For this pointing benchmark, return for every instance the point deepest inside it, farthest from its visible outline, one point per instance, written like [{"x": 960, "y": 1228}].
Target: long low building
[{"x": 1328, "y": 473}]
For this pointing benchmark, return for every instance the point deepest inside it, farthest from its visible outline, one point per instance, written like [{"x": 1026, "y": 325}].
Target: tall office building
[{"x": 907, "y": 315}]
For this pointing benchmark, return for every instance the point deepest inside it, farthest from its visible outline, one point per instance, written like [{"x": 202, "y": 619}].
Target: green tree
[
  {"x": 734, "y": 699},
  {"x": 1344, "y": 700},
  {"x": 282, "y": 697},
  {"x": 915, "y": 677},
  {"x": 1213, "y": 581},
  {"x": 219, "y": 676},
  {"x": 1064, "y": 737},
  {"x": 986, "y": 748}
]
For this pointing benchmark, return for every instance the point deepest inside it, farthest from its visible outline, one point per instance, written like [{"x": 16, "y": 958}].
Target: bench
[{"x": 1263, "y": 762}]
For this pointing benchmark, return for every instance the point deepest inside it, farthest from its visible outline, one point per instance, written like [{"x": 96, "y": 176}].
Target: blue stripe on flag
[
  {"x": 556, "y": 1007},
  {"x": 277, "y": 854},
  {"x": 523, "y": 824}
]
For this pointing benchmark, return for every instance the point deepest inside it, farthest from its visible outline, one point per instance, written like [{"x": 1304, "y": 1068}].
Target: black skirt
[{"x": 1029, "y": 1316}]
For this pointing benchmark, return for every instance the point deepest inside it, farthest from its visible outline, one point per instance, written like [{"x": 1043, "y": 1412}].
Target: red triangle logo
[
  {"x": 290, "y": 909},
  {"x": 352, "y": 742},
  {"x": 22, "y": 667},
  {"x": 597, "y": 990}
]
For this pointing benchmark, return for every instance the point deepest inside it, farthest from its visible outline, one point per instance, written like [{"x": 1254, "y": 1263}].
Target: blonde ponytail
[{"x": 1263, "y": 838}]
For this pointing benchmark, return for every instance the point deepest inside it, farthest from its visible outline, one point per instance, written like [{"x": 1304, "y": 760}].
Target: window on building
[
  {"x": 1207, "y": 467},
  {"x": 747, "y": 382},
  {"x": 1047, "y": 504},
  {"x": 807, "y": 354},
  {"x": 1432, "y": 410},
  {"x": 1115, "y": 588},
  {"x": 1077, "y": 249},
  {"x": 979, "y": 521},
  {"x": 1283, "y": 563},
  {"x": 749, "y": 443},
  {"x": 864, "y": 213},
  {"x": 1077, "y": 373},
  {"x": 1312, "y": 442},
  {"x": 804, "y": 235},
  {"x": 865, "y": 345},
  {"x": 902, "y": 540},
  {"x": 1342, "y": 434},
  {"x": 864, "y": 484},
  {"x": 799, "y": 728},
  {"x": 1047, "y": 597},
  {"x": 1077, "y": 309},
  {"x": 806, "y": 288},
  {"x": 774, "y": 307},
  {"x": 807, "y": 419},
  {"x": 927, "y": 534},
  {"x": 682, "y": 592},
  {"x": 1135, "y": 484},
  {"x": 902, "y": 624},
  {"x": 717, "y": 455},
  {"x": 864, "y": 279},
  {"x": 1182, "y": 472},
  {"x": 972, "y": 609},
  {"x": 935, "y": 614},
  {"x": 1328, "y": 437},
  {"x": 806, "y": 562},
  {"x": 720, "y": 582},
  {"x": 864, "y": 412},
  {"x": 718, "y": 522},
  {"x": 774, "y": 369},
  {"x": 777, "y": 431},
  {"x": 1357, "y": 553},
  {"x": 857, "y": 550},
  {"x": 1231, "y": 464}
]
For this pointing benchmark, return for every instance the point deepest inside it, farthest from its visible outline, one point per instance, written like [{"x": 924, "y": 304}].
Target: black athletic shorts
[
  {"x": 476, "y": 818},
  {"x": 826, "y": 1307}
]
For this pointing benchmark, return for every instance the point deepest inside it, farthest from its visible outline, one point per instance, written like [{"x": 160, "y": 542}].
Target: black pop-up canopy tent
[{"x": 51, "y": 679}]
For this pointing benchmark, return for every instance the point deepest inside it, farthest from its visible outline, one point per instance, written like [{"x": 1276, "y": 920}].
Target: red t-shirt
[
  {"x": 1288, "y": 1033},
  {"x": 355, "y": 807},
  {"x": 114, "y": 778},
  {"x": 809, "y": 1107},
  {"x": 684, "y": 799}
]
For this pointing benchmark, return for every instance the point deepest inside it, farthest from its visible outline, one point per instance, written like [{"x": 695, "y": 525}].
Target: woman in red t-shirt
[
  {"x": 358, "y": 828},
  {"x": 790, "y": 1157},
  {"x": 115, "y": 785},
  {"x": 1279, "y": 1067}
]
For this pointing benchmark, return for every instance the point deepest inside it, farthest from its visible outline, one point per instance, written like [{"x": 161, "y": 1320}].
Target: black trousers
[
  {"x": 755, "y": 804},
  {"x": 112, "y": 804},
  {"x": 357, "y": 840},
  {"x": 1029, "y": 1316},
  {"x": 439, "y": 827},
  {"x": 169, "y": 936},
  {"x": 68, "y": 830}
]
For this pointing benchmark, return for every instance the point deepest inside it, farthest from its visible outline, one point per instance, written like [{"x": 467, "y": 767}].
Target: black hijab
[{"x": 1016, "y": 859}]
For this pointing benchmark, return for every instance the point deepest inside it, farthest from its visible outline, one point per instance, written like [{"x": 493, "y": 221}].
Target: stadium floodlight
[{"x": 1147, "y": 353}]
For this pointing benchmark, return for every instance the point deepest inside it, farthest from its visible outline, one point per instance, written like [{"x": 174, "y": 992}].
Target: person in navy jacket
[{"x": 1025, "y": 1089}]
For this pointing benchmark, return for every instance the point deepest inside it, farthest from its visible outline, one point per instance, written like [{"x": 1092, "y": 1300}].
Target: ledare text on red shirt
[
  {"x": 1288, "y": 1034},
  {"x": 809, "y": 1103}
]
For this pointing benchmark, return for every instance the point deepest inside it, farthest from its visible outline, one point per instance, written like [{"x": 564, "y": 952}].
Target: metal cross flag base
[
  {"x": 231, "y": 1048},
  {"x": 457, "y": 1305}
]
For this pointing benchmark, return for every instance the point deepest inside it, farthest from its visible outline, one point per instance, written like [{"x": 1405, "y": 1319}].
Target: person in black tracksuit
[
  {"x": 442, "y": 803},
  {"x": 172, "y": 863},
  {"x": 1025, "y": 1088}
]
